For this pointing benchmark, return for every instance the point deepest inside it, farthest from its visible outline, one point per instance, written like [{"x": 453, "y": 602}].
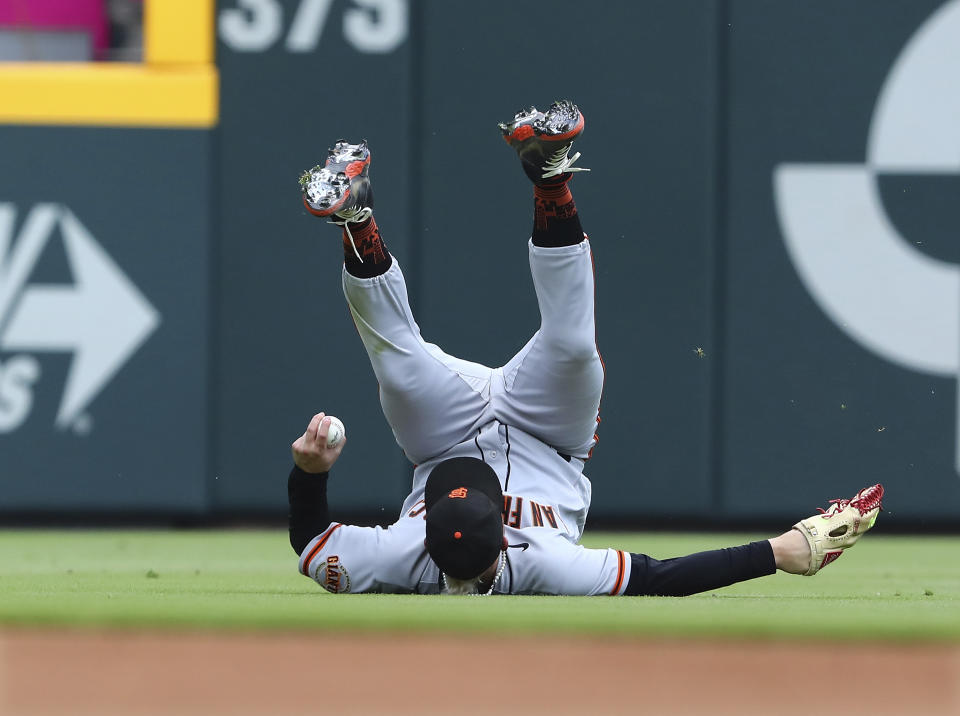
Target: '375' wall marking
[{"x": 370, "y": 26}]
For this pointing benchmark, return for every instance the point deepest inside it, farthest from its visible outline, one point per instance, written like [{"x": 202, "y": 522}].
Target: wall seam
[{"x": 718, "y": 258}]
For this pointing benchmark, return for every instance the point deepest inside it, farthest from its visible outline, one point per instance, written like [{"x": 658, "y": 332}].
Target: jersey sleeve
[
  {"x": 555, "y": 565},
  {"x": 349, "y": 559}
]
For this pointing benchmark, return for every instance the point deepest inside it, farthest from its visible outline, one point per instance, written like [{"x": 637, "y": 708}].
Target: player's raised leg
[
  {"x": 431, "y": 400},
  {"x": 553, "y": 385}
]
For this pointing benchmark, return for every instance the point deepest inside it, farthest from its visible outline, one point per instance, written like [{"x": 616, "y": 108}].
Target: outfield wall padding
[{"x": 774, "y": 253}]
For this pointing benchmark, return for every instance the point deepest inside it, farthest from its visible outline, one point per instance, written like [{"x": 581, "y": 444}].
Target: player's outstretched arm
[
  {"x": 809, "y": 546},
  {"x": 307, "y": 484}
]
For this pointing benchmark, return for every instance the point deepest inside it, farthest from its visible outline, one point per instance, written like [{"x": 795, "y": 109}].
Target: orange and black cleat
[
  {"x": 342, "y": 184},
  {"x": 543, "y": 140},
  {"x": 341, "y": 187}
]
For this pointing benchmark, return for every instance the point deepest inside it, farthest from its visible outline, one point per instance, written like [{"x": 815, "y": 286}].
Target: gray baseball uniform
[{"x": 532, "y": 421}]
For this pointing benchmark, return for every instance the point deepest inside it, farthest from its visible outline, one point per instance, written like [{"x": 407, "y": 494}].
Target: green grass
[{"x": 888, "y": 588}]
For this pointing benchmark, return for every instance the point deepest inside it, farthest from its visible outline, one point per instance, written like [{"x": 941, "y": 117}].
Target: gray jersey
[
  {"x": 532, "y": 420},
  {"x": 542, "y": 560}
]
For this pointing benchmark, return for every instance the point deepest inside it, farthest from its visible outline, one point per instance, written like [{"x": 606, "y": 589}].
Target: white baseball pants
[{"x": 433, "y": 401}]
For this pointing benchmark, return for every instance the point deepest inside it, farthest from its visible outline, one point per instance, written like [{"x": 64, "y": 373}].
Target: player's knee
[{"x": 573, "y": 349}]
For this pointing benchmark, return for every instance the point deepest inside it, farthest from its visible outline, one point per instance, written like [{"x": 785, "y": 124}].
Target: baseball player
[{"x": 499, "y": 499}]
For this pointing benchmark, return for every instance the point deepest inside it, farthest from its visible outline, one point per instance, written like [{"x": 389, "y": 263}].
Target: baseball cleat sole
[{"x": 333, "y": 187}]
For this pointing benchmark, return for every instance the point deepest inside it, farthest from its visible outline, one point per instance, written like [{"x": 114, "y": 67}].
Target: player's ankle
[
  {"x": 558, "y": 194},
  {"x": 555, "y": 219},
  {"x": 364, "y": 252}
]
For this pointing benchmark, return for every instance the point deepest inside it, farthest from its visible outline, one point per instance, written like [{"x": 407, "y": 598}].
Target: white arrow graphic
[
  {"x": 15, "y": 268},
  {"x": 102, "y": 318}
]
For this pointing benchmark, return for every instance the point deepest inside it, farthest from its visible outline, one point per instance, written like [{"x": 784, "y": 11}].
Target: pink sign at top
[{"x": 89, "y": 16}]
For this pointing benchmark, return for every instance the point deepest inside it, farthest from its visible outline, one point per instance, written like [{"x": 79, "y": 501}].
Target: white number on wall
[
  {"x": 376, "y": 25},
  {"x": 253, "y": 26},
  {"x": 370, "y": 26}
]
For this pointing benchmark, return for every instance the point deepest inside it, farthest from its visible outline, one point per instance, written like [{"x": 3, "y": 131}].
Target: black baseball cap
[{"x": 464, "y": 516}]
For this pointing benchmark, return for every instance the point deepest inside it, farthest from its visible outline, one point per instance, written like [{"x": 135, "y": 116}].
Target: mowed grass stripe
[{"x": 887, "y": 588}]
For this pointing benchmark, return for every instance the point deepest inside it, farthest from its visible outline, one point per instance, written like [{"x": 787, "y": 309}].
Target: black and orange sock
[
  {"x": 370, "y": 246},
  {"x": 555, "y": 219}
]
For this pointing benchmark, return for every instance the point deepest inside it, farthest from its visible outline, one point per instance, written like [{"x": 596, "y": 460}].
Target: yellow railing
[{"x": 175, "y": 86}]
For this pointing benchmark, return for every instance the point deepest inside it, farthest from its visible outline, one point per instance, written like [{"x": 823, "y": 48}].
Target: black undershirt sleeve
[
  {"x": 700, "y": 572},
  {"x": 309, "y": 514}
]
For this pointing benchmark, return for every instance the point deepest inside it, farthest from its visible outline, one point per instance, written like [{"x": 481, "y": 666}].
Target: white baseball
[{"x": 336, "y": 432}]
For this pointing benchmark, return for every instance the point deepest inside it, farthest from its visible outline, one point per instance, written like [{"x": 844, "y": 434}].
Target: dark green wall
[
  {"x": 113, "y": 306},
  {"x": 691, "y": 107}
]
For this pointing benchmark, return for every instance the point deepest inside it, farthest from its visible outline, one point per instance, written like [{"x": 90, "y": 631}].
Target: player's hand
[{"x": 310, "y": 451}]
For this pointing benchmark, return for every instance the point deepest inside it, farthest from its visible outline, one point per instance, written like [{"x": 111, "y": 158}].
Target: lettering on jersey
[
  {"x": 548, "y": 514},
  {"x": 515, "y": 515},
  {"x": 537, "y": 516},
  {"x": 419, "y": 507},
  {"x": 333, "y": 576},
  {"x": 460, "y": 492}
]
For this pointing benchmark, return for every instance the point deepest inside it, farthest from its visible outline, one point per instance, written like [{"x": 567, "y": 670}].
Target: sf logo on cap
[{"x": 460, "y": 492}]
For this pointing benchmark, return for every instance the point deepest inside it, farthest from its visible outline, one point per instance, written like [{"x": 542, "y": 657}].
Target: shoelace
[
  {"x": 352, "y": 216},
  {"x": 560, "y": 163},
  {"x": 836, "y": 506},
  {"x": 865, "y": 500},
  {"x": 868, "y": 499}
]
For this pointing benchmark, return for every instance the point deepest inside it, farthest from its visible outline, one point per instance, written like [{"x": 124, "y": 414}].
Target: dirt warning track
[{"x": 139, "y": 673}]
